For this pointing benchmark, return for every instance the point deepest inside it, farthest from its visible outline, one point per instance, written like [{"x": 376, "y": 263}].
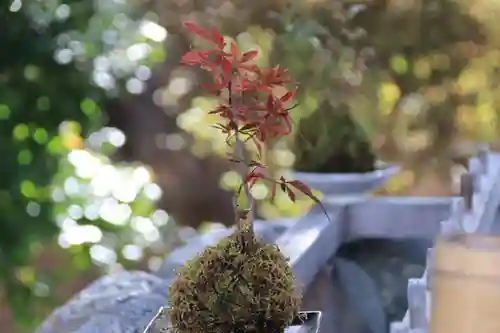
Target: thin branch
[{"x": 245, "y": 221}]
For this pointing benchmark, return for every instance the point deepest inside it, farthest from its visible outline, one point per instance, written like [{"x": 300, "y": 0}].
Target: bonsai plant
[{"x": 240, "y": 285}]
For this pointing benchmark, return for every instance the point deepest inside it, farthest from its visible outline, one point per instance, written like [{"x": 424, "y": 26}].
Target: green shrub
[{"x": 329, "y": 140}]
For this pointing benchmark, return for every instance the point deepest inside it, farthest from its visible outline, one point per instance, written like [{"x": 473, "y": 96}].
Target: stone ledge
[
  {"x": 118, "y": 303},
  {"x": 342, "y": 183}
]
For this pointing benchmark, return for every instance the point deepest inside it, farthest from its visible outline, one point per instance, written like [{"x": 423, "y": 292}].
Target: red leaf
[
  {"x": 212, "y": 35},
  {"x": 270, "y": 102},
  {"x": 290, "y": 194},
  {"x": 249, "y": 55},
  {"x": 218, "y": 39},
  {"x": 241, "y": 85},
  {"x": 235, "y": 51},
  {"x": 252, "y": 182},
  {"x": 288, "y": 124},
  {"x": 197, "y": 30},
  {"x": 209, "y": 66},
  {"x": 244, "y": 67},
  {"x": 217, "y": 77},
  {"x": 211, "y": 88},
  {"x": 307, "y": 191},
  {"x": 248, "y": 177},
  {"x": 252, "y": 177},
  {"x": 227, "y": 69},
  {"x": 301, "y": 187},
  {"x": 288, "y": 96},
  {"x": 192, "y": 58}
]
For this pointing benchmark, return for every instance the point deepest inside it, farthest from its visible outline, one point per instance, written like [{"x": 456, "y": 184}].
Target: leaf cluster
[{"x": 250, "y": 109}]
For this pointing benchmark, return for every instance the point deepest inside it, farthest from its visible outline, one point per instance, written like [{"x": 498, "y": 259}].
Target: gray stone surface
[
  {"x": 489, "y": 192},
  {"x": 346, "y": 183},
  {"x": 389, "y": 263},
  {"x": 365, "y": 217},
  {"x": 361, "y": 297},
  {"x": 311, "y": 242},
  {"x": 120, "y": 303},
  {"x": 495, "y": 230}
]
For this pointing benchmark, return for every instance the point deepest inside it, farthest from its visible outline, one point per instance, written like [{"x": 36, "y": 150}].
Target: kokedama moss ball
[{"x": 234, "y": 287}]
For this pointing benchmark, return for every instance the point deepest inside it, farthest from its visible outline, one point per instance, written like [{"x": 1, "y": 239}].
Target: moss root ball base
[{"x": 234, "y": 287}]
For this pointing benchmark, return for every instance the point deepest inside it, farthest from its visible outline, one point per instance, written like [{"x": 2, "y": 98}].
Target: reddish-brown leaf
[
  {"x": 218, "y": 39},
  {"x": 274, "y": 76},
  {"x": 249, "y": 55},
  {"x": 212, "y": 35},
  {"x": 244, "y": 68},
  {"x": 290, "y": 194},
  {"x": 197, "y": 30},
  {"x": 218, "y": 78},
  {"x": 235, "y": 51},
  {"x": 283, "y": 184},
  {"x": 307, "y": 191},
  {"x": 248, "y": 177},
  {"x": 287, "y": 126},
  {"x": 252, "y": 182},
  {"x": 288, "y": 96},
  {"x": 270, "y": 102},
  {"x": 301, "y": 187},
  {"x": 212, "y": 89},
  {"x": 211, "y": 68},
  {"x": 253, "y": 176},
  {"x": 192, "y": 58}
]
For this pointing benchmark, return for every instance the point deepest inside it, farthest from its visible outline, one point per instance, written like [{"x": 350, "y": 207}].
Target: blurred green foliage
[
  {"x": 428, "y": 96},
  {"x": 327, "y": 139},
  {"x": 60, "y": 62},
  {"x": 330, "y": 141}
]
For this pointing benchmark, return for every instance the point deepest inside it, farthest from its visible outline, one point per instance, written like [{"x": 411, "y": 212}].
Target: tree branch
[{"x": 244, "y": 219}]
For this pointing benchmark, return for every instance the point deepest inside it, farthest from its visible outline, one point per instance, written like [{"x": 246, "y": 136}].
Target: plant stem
[{"x": 239, "y": 155}]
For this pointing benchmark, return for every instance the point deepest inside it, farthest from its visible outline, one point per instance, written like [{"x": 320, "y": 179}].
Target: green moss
[
  {"x": 329, "y": 140},
  {"x": 234, "y": 287}
]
